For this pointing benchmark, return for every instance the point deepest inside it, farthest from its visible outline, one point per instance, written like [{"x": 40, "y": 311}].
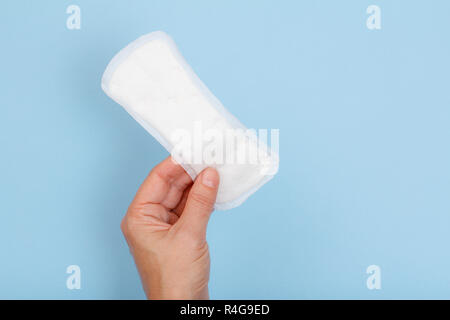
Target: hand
[{"x": 165, "y": 228}]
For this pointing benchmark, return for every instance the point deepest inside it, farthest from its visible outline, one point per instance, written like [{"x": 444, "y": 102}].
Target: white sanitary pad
[{"x": 153, "y": 82}]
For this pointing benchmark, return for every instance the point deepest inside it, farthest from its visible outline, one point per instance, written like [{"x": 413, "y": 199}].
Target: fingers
[
  {"x": 164, "y": 185},
  {"x": 178, "y": 210},
  {"x": 200, "y": 203}
]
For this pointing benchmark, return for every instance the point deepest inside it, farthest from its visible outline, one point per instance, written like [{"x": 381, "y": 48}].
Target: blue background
[{"x": 364, "y": 119}]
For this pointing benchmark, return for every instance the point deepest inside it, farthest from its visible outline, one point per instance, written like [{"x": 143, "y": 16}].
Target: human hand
[{"x": 165, "y": 228}]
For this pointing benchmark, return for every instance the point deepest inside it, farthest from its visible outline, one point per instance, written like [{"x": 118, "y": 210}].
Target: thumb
[{"x": 200, "y": 204}]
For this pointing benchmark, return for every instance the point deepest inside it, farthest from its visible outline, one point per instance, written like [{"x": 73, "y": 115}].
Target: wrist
[{"x": 168, "y": 292}]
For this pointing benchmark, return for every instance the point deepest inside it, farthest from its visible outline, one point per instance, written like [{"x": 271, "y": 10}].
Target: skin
[{"x": 165, "y": 228}]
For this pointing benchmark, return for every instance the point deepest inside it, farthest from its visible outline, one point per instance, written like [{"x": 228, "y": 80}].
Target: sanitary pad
[{"x": 156, "y": 86}]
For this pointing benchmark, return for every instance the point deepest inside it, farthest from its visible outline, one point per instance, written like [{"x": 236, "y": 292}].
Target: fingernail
[{"x": 210, "y": 178}]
